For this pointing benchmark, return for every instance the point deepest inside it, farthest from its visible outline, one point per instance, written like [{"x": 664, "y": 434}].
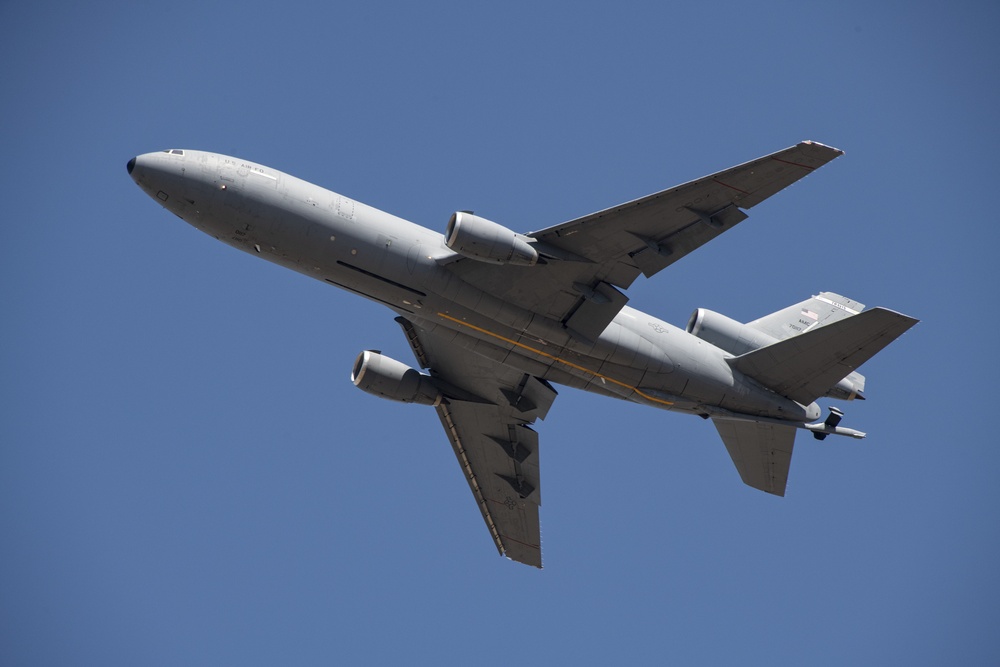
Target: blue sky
[{"x": 187, "y": 476}]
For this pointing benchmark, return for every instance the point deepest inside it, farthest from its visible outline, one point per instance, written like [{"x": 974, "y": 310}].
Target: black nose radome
[{"x": 130, "y": 166}]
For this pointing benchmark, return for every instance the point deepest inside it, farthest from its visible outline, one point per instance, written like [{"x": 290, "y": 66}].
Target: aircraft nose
[{"x": 130, "y": 166}]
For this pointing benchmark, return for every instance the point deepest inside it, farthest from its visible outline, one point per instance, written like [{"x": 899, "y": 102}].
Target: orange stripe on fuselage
[{"x": 542, "y": 353}]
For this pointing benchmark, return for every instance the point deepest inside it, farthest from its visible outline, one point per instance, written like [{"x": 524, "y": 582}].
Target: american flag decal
[{"x": 810, "y": 314}]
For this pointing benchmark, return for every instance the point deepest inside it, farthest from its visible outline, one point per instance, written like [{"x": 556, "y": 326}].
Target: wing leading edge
[{"x": 491, "y": 437}]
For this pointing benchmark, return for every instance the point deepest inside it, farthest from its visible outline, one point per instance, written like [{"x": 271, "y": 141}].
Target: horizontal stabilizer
[
  {"x": 762, "y": 452},
  {"x": 805, "y": 367}
]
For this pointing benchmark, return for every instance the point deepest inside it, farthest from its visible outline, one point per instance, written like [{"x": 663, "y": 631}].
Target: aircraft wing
[
  {"x": 488, "y": 427},
  {"x": 588, "y": 258}
]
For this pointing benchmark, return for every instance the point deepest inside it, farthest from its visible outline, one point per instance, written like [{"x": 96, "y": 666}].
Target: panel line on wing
[
  {"x": 731, "y": 187},
  {"x": 794, "y": 164}
]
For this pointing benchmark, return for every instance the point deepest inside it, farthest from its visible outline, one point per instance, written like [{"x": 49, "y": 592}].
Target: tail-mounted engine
[
  {"x": 385, "y": 377},
  {"x": 726, "y": 333},
  {"x": 486, "y": 241}
]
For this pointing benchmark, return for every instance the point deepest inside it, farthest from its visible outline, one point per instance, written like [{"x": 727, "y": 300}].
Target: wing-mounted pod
[
  {"x": 385, "y": 377},
  {"x": 487, "y": 241}
]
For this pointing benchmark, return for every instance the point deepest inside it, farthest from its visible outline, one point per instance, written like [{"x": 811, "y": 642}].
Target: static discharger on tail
[{"x": 498, "y": 318}]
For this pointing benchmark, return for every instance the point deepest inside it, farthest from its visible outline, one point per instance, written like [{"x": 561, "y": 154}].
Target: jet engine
[
  {"x": 486, "y": 241},
  {"x": 387, "y": 378},
  {"x": 726, "y": 333}
]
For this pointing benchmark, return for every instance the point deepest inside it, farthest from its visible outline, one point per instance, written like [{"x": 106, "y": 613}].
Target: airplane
[{"x": 498, "y": 318}]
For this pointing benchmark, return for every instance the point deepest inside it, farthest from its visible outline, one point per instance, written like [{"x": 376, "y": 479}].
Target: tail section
[
  {"x": 804, "y": 317},
  {"x": 806, "y": 367},
  {"x": 803, "y": 352}
]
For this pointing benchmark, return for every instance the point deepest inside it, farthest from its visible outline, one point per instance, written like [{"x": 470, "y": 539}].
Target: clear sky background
[{"x": 188, "y": 477}]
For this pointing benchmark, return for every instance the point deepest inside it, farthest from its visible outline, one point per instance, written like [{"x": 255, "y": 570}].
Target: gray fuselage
[{"x": 332, "y": 238}]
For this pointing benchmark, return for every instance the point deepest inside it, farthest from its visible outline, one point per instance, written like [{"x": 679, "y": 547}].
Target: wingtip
[{"x": 808, "y": 142}]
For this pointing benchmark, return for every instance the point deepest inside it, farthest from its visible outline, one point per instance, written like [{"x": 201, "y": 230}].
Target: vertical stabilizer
[{"x": 824, "y": 308}]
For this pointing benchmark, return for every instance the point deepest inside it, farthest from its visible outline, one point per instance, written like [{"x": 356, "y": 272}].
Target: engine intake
[
  {"x": 385, "y": 377},
  {"x": 487, "y": 241}
]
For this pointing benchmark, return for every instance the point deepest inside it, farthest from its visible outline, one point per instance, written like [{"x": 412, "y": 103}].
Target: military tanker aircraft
[{"x": 497, "y": 317}]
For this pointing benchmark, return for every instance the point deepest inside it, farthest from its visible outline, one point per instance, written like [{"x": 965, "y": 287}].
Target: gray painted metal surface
[{"x": 497, "y": 317}]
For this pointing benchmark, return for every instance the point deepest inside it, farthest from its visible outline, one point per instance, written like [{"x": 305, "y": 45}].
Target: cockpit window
[{"x": 174, "y": 151}]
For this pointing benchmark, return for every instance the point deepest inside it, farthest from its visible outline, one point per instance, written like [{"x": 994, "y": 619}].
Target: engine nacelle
[
  {"x": 486, "y": 241},
  {"x": 387, "y": 378},
  {"x": 726, "y": 333}
]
